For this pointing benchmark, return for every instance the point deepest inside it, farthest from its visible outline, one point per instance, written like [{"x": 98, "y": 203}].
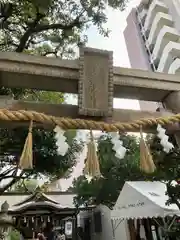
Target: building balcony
[
  {"x": 166, "y": 35},
  {"x": 175, "y": 67},
  {"x": 160, "y": 20},
  {"x": 155, "y": 7},
  {"x": 142, "y": 14},
  {"x": 168, "y": 61}
]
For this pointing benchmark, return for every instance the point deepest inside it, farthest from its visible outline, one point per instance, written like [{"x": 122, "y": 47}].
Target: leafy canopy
[
  {"x": 51, "y": 27},
  {"x": 47, "y": 162},
  {"x": 115, "y": 172}
]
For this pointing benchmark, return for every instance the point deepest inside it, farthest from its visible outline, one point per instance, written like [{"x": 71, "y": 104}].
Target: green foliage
[
  {"x": 115, "y": 172},
  {"x": 51, "y": 27},
  {"x": 33, "y": 95},
  {"x": 169, "y": 171},
  {"x": 167, "y": 163},
  {"x": 15, "y": 93},
  {"x": 47, "y": 162},
  {"x": 14, "y": 235},
  {"x": 44, "y": 96},
  {"x": 169, "y": 168},
  {"x": 24, "y": 185}
]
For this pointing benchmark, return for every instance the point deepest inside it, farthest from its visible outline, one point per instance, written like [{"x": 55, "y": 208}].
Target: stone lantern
[{"x": 6, "y": 221}]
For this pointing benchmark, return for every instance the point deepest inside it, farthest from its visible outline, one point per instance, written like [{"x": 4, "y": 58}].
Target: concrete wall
[
  {"x": 138, "y": 56},
  {"x": 121, "y": 231},
  {"x": 107, "y": 232},
  {"x": 174, "y": 10}
]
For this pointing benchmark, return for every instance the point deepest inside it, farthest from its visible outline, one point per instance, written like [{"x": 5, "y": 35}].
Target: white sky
[
  {"x": 116, "y": 43},
  {"x": 116, "y": 23}
]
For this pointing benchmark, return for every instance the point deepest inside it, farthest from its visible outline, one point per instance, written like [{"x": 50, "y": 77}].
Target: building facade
[{"x": 152, "y": 37}]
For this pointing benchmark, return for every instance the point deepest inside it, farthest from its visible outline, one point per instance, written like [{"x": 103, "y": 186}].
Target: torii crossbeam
[{"x": 93, "y": 78}]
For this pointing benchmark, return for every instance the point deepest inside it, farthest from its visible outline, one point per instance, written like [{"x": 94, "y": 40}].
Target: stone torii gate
[{"x": 93, "y": 78}]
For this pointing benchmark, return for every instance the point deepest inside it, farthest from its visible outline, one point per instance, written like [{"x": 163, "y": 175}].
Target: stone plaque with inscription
[{"x": 96, "y": 83}]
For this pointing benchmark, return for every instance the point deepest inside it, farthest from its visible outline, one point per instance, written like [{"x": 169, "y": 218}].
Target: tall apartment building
[{"x": 152, "y": 37}]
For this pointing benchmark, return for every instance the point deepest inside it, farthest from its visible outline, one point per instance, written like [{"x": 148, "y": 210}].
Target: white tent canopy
[{"x": 142, "y": 200}]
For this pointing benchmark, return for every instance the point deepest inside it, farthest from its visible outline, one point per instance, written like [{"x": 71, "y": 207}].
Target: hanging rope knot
[
  {"x": 26, "y": 159},
  {"x": 92, "y": 168},
  {"x": 146, "y": 161},
  {"x": 30, "y": 126},
  {"x": 91, "y": 135}
]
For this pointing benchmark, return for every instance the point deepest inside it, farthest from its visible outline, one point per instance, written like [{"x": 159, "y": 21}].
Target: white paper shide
[
  {"x": 167, "y": 146},
  {"x": 62, "y": 145},
  {"x": 118, "y": 145}
]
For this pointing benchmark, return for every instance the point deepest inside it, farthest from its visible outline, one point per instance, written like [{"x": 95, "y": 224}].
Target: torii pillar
[{"x": 172, "y": 102}]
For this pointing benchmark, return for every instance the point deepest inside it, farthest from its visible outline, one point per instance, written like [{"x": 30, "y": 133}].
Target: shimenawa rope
[
  {"x": 92, "y": 167},
  {"x": 68, "y": 123}
]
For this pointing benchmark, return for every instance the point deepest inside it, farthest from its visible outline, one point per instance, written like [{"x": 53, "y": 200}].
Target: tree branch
[
  {"x": 12, "y": 182},
  {"x": 41, "y": 28},
  {"x": 6, "y": 172},
  {"x": 26, "y": 189},
  {"x": 172, "y": 197},
  {"x": 28, "y": 33},
  {"x": 16, "y": 177},
  {"x": 51, "y": 52},
  {"x": 8, "y": 43},
  {"x": 35, "y": 28},
  {"x": 6, "y": 10}
]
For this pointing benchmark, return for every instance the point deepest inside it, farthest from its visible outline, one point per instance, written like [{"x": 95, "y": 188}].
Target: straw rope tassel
[
  {"x": 26, "y": 159},
  {"x": 146, "y": 162},
  {"x": 92, "y": 167}
]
